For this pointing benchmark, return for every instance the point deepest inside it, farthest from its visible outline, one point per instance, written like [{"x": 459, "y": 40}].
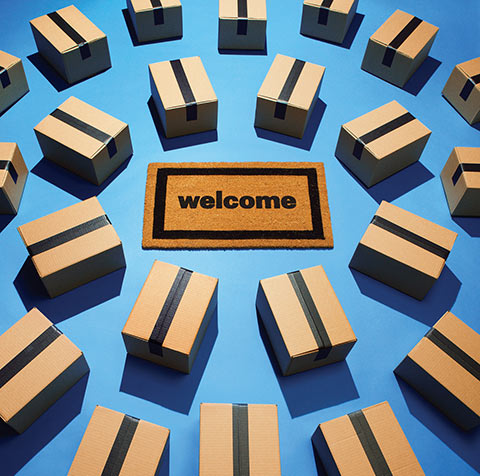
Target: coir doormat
[{"x": 236, "y": 205}]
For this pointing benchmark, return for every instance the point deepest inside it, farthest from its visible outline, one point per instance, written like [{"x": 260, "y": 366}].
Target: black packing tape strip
[
  {"x": 453, "y": 351},
  {"x": 91, "y": 131},
  {"x": 242, "y": 22},
  {"x": 185, "y": 89},
  {"x": 158, "y": 17},
  {"x": 380, "y": 131},
  {"x": 21, "y": 360},
  {"x": 323, "y": 12},
  {"x": 68, "y": 235},
  {"x": 470, "y": 83},
  {"x": 81, "y": 42},
  {"x": 411, "y": 237},
  {"x": 311, "y": 313},
  {"x": 10, "y": 168},
  {"x": 393, "y": 46},
  {"x": 120, "y": 446},
  {"x": 369, "y": 444},
  {"x": 170, "y": 306},
  {"x": 241, "y": 456},
  {"x": 287, "y": 90},
  {"x": 464, "y": 167},
  {"x": 4, "y": 77}
]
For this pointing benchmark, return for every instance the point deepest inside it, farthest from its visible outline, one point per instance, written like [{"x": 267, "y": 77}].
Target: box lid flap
[
  {"x": 146, "y": 5},
  {"x": 7, "y": 60},
  {"x": 470, "y": 68},
  {"x": 255, "y": 9},
  {"x": 342, "y": 6}
]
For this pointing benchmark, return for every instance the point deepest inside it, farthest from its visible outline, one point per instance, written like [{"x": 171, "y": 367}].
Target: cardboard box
[
  {"x": 328, "y": 19},
  {"x": 288, "y": 95},
  {"x": 366, "y": 442},
  {"x": 242, "y": 24},
  {"x": 38, "y": 364},
  {"x": 399, "y": 47},
  {"x": 382, "y": 142},
  {"x": 462, "y": 90},
  {"x": 156, "y": 19},
  {"x": 84, "y": 140},
  {"x": 71, "y": 44},
  {"x": 73, "y": 246},
  {"x": 239, "y": 439},
  {"x": 171, "y": 315},
  {"x": 13, "y": 175},
  {"x": 304, "y": 320},
  {"x": 403, "y": 250},
  {"x": 184, "y": 97},
  {"x": 461, "y": 181},
  {"x": 115, "y": 443},
  {"x": 445, "y": 368},
  {"x": 13, "y": 82}
]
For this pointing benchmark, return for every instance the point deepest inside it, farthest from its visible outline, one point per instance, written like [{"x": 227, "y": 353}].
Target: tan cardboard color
[
  {"x": 79, "y": 260},
  {"x": 78, "y": 151},
  {"x": 18, "y": 85},
  {"x": 216, "y": 440},
  {"x": 387, "y": 154},
  {"x": 189, "y": 324},
  {"x": 44, "y": 379},
  {"x": 144, "y": 455},
  {"x": 395, "y": 261},
  {"x": 11, "y": 186}
]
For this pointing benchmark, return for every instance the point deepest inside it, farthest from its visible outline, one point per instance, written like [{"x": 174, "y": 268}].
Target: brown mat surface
[{"x": 218, "y": 205}]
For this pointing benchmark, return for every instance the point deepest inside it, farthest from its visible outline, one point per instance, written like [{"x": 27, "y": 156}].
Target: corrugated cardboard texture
[
  {"x": 44, "y": 379},
  {"x": 387, "y": 154},
  {"x": 18, "y": 82},
  {"x": 144, "y": 453},
  {"x": 398, "y": 262},
  {"x": 188, "y": 325},
  {"x": 11, "y": 191},
  {"x": 77, "y": 261},
  {"x": 223, "y": 227},
  {"x": 79, "y": 152},
  {"x": 216, "y": 440}
]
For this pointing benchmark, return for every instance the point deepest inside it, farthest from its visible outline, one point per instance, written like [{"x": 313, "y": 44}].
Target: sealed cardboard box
[
  {"x": 461, "y": 181},
  {"x": 304, "y": 320},
  {"x": 184, "y": 97},
  {"x": 171, "y": 315},
  {"x": 288, "y": 95},
  {"x": 71, "y": 44},
  {"x": 115, "y": 443},
  {"x": 382, "y": 142},
  {"x": 156, "y": 19},
  {"x": 445, "y": 368},
  {"x": 365, "y": 443},
  {"x": 403, "y": 250},
  {"x": 242, "y": 24},
  {"x": 38, "y": 364},
  {"x": 239, "y": 439},
  {"x": 13, "y": 175},
  {"x": 73, "y": 246},
  {"x": 399, "y": 47},
  {"x": 328, "y": 19},
  {"x": 462, "y": 90},
  {"x": 13, "y": 82},
  {"x": 84, "y": 140}
]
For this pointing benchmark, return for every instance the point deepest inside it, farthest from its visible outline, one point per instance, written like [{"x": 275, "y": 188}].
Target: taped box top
[
  {"x": 147, "y": 5},
  {"x": 252, "y": 9},
  {"x": 7, "y": 60},
  {"x": 342, "y": 6}
]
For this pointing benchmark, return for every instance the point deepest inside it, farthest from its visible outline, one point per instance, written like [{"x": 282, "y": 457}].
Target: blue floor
[{"x": 235, "y": 363}]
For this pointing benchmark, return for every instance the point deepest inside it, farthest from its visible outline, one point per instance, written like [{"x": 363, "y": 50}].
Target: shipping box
[
  {"x": 13, "y": 175},
  {"x": 13, "y": 82}
]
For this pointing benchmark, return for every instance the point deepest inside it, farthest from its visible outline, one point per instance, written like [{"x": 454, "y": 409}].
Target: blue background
[{"x": 235, "y": 363}]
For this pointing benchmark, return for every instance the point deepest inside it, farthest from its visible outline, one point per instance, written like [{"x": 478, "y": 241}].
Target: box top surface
[
  {"x": 414, "y": 42},
  {"x": 76, "y": 19},
  {"x": 470, "y": 67},
  {"x": 167, "y": 84},
  {"x": 146, "y": 5},
  {"x": 256, "y": 9},
  {"x": 72, "y": 135},
  {"x": 189, "y": 314},
  {"x": 342, "y": 6},
  {"x": 305, "y": 88},
  {"x": 290, "y": 317},
  {"x": 7, "y": 60},
  {"x": 38, "y": 368},
  {"x": 143, "y": 455}
]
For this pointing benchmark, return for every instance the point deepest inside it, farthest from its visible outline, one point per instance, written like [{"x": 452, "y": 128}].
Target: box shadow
[
  {"x": 470, "y": 225},
  {"x": 5, "y": 221},
  {"x": 421, "y": 77},
  {"x": 225, "y": 51}
]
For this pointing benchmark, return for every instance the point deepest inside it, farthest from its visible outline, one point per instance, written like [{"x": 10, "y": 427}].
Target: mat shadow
[
  {"x": 71, "y": 183},
  {"x": 225, "y": 51},
  {"x": 311, "y": 130},
  {"x": 178, "y": 142},
  {"x": 439, "y": 299},
  {"x": 315, "y": 389},
  {"x": 5, "y": 221},
  {"x": 421, "y": 77},
  {"x": 33, "y": 293},
  {"x": 470, "y": 225},
  {"x": 17, "y": 450},
  {"x": 465, "y": 444},
  {"x": 167, "y": 387}
]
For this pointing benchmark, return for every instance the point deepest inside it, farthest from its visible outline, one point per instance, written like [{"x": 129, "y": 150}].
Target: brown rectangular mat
[{"x": 219, "y": 205}]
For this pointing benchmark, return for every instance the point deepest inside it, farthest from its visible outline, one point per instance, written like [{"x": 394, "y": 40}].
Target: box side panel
[
  {"x": 228, "y": 38},
  {"x": 17, "y": 88},
  {"x": 148, "y": 30},
  {"x": 323, "y": 452}
]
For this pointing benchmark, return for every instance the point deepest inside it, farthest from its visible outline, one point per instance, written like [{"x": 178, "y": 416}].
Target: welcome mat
[{"x": 218, "y": 205}]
